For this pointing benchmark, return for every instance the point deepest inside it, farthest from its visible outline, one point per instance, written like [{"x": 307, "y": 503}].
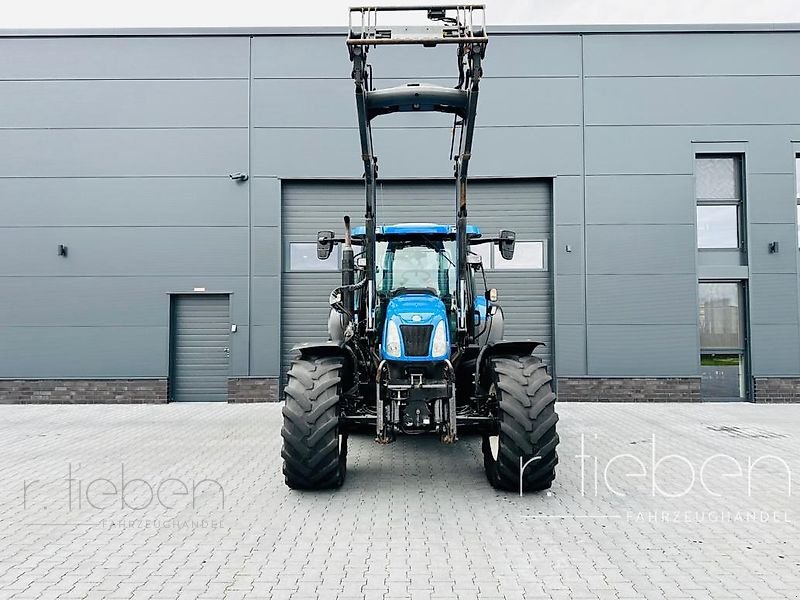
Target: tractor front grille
[{"x": 416, "y": 339}]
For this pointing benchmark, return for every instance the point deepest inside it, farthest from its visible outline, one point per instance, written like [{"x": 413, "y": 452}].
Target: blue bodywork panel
[
  {"x": 404, "y": 229},
  {"x": 416, "y": 309},
  {"x": 481, "y": 305}
]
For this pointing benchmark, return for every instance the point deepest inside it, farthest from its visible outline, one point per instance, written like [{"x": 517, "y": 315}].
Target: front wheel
[
  {"x": 527, "y": 439},
  {"x": 314, "y": 450}
]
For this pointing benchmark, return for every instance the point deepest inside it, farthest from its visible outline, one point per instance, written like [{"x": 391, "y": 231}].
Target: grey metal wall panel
[
  {"x": 266, "y": 201},
  {"x": 331, "y": 60},
  {"x": 265, "y": 348},
  {"x": 643, "y": 350},
  {"x": 692, "y": 54},
  {"x": 521, "y": 205},
  {"x": 774, "y": 350},
  {"x": 542, "y": 56},
  {"x": 771, "y": 198},
  {"x": 644, "y": 199},
  {"x": 145, "y": 251},
  {"x": 266, "y": 296},
  {"x": 568, "y": 200},
  {"x": 266, "y": 251},
  {"x": 180, "y": 108},
  {"x": 141, "y": 301},
  {"x": 640, "y": 249},
  {"x": 569, "y": 262},
  {"x": 84, "y": 352},
  {"x": 509, "y": 102},
  {"x": 161, "y": 103},
  {"x": 642, "y": 299},
  {"x": 773, "y": 299},
  {"x": 760, "y": 259},
  {"x": 571, "y": 307},
  {"x": 240, "y": 351},
  {"x": 200, "y": 359},
  {"x": 417, "y": 153},
  {"x": 124, "y": 58},
  {"x": 123, "y": 201},
  {"x": 570, "y": 350},
  {"x": 638, "y": 150},
  {"x": 708, "y": 100},
  {"x": 121, "y": 152}
]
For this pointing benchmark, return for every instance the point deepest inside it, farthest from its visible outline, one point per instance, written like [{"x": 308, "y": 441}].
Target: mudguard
[
  {"x": 328, "y": 348},
  {"x": 515, "y": 348}
]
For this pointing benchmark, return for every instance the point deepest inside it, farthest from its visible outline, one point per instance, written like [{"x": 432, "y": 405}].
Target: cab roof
[{"x": 406, "y": 229}]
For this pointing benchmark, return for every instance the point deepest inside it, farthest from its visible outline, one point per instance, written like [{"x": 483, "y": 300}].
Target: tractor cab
[{"x": 416, "y": 283}]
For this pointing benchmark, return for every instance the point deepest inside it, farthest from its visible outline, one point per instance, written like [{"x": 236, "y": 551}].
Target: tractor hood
[{"x": 416, "y": 329}]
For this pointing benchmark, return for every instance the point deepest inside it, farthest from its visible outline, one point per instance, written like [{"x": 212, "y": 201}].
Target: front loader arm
[{"x": 462, "y": 25}]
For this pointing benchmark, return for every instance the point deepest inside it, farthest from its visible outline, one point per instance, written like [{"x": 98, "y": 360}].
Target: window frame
[
  {"x": 737, "y": 202},
  {"x": 741, "y": 350},
  {"x": 797, "y": 196}
]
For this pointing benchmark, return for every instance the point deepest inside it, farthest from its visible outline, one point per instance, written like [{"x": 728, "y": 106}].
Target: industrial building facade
[{"x": 160, "y": 194}]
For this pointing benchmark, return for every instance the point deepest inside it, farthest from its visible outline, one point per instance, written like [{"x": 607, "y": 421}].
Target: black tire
[
  {"x": 527, "y": 426},
  {"x": 314, "y": 454}
]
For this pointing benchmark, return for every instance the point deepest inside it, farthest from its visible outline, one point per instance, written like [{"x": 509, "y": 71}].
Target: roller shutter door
[
  {"x": 524, "y": 206},
  {"x": 200, "y": 353}
]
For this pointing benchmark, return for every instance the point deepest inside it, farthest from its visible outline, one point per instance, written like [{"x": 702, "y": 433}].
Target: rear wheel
[
  {"x": 314, "y": 449},
  {"x": 527, "y": 438}
]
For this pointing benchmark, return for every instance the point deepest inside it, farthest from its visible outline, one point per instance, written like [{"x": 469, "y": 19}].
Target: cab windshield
[{"x": 415, "y": 265}]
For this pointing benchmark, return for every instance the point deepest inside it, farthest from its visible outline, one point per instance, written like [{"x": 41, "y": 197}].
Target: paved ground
[{"x": 414, "y": 520}]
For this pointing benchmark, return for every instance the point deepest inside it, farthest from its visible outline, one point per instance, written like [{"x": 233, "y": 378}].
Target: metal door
[{"x": 200, "y": 352}]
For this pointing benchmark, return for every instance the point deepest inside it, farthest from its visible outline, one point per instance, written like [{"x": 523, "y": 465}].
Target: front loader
[{"x": 416, "y": 341}]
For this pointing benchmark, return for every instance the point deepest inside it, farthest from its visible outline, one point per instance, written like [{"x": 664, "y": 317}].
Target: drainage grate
[{"x": 746, "y": 432}]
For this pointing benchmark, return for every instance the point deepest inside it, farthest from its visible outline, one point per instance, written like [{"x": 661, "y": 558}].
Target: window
[
  {"x": 527, "y": 255},
  {"x": 485, "y": 252},
  {"x": 720, "y": 324},
  {"x": 416, "y": 266},
  {"x": 303, "y": 257},
  {"x": 721, "y": 340},
  {"x": 530, "y": 256},
  {"x": 719, "y": 201}
]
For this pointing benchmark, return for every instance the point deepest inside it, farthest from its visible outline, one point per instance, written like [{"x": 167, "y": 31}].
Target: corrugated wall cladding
[
  {"x": 524, "y": 206},
  {"x": 120, "y": 148}
]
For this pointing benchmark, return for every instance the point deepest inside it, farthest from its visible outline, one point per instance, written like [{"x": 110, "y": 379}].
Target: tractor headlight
[
  {"x": 392, "y": 340},
  {"x": 439, "y": 341}
]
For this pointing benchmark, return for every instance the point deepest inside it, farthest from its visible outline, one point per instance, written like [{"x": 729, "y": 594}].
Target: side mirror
[
  {"x": 324, "y": 244},
  {"x": 506, "y": 244}
]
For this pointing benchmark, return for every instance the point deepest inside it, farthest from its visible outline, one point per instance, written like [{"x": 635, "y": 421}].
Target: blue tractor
[{"x": 415, "y": 338}]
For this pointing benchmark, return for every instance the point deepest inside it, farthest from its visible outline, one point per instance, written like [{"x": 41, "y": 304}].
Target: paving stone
[{"x": 648, "y": 503}]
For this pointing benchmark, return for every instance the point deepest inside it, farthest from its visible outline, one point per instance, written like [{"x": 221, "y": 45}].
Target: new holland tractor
[{"x": 415, "y": 340}]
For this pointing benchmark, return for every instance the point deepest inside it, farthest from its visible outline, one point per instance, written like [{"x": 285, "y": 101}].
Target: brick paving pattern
[{"x": 414, "y": 520}]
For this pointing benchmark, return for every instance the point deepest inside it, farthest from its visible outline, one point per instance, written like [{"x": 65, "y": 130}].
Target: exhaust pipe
[{"x": 348, "y": 269}]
